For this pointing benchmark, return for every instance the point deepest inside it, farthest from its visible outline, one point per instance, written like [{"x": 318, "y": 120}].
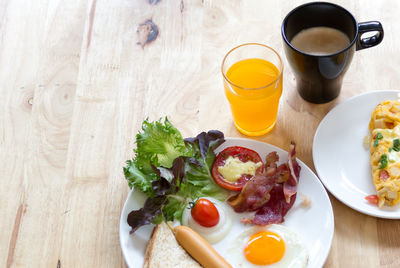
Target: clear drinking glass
[{"x": 252, "y": 76}]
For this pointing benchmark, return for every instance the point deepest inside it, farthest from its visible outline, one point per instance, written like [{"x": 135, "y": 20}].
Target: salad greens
[
  {"x": 171, "y": 171},
  {"x": 158, "y": 144}
]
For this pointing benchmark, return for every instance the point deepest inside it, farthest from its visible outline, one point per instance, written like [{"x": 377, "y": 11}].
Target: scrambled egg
[
  {"x": 385, "y": 115},
  {"x": 385, "y": 152}
]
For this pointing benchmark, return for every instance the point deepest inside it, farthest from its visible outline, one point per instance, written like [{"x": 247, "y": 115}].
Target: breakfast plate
[
  {"x": 314, "y": 223},
  {"x": 341, "y": 158}
]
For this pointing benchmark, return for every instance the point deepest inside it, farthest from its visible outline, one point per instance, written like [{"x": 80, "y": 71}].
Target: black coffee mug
[{"x": 319, "y": 78}]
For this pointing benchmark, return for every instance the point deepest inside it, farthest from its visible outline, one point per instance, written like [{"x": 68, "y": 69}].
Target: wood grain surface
[{"x": 77, "y": 79}]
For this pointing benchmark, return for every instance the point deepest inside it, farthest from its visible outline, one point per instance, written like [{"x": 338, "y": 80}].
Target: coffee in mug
[
  {"x": 320, "y": 41},
  {"x": 317, "y": 49}
]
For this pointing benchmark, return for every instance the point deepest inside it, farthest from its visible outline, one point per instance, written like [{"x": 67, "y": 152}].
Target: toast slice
[{"x": 163, "y": 251}]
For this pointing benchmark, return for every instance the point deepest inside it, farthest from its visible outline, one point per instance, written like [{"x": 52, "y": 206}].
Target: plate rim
[
  {"x": 318, "y": 170},
  {"x": 274, "y": 147}
]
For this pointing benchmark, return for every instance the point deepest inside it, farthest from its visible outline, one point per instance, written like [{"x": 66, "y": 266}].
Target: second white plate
[{"x": 340, "y": 158}]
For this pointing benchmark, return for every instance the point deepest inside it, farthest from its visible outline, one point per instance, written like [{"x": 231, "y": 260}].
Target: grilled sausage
[{"x": 199, "y": 248}]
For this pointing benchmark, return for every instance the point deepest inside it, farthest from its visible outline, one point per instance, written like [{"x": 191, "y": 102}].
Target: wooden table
[{"x": 77, "y": 79}]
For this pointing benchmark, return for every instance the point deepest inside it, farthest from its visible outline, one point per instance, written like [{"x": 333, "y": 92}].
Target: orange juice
[{"x": 253, "y": 91}]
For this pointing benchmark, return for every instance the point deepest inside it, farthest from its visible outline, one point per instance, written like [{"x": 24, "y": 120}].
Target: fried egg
[
  {"x": 271, "y": 246},
  {"x": 217, "y": 232}
]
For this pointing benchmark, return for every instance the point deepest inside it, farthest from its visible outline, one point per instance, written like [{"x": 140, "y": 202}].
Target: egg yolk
[{"x": 264, "y": 248}]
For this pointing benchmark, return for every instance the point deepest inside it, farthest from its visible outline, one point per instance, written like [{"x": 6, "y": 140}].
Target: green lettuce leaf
[
  {"x": 164, "y": 189},
  {"x": 198, "y": 170},
  {"x": 171, "y": 171},
  {"x": 158, "y": 144},
  {"x": 198, "y": 181}
]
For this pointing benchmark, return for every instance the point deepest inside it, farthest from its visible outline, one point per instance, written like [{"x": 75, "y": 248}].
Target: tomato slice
[
  {"x": 372, "y": 199},
  {"x": 205, "y": 213},
  {"x": 244, "y": 155}
]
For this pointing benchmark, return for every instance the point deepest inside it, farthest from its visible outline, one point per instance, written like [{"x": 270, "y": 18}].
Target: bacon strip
[
  {"x": 255, "y": 193},
  {"x": 271, "y": 160},
  {"x": 290, "y": 186},
  {"x": 283, "y": 173},
  {"x": 275, "y": 210},
  {"x": 271, "y": 194}
]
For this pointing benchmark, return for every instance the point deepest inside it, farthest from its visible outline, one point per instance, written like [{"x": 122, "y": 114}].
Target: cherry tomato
[
  {"x": 244, "y": 155},
  {"x": 372, "y": 199},
  {"x": 205, "y": 213}
]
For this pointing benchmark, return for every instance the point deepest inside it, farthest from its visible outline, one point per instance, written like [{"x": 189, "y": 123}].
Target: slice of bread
[{"x": 163, "y": 251}]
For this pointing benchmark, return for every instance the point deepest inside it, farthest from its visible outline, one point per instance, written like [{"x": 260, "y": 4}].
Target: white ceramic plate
[
  {"x": 340, "y": 157},
  {"x": 314, "y": 224}
]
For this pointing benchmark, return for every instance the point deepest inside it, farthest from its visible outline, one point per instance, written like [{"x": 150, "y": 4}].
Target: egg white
[
  {"x": 217, "y": 232},
  {"x": 296, "y": 253}
]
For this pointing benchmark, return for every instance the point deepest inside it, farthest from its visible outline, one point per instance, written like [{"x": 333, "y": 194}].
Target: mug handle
[{"x": 369, "y": 26}]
